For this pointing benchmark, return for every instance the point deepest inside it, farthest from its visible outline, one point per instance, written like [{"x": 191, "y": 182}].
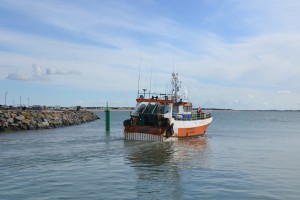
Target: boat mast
[
  {"x": 138, "y": 93},
  {"x": 175, "y": 86},
  {"x": 150, "y": 83}
]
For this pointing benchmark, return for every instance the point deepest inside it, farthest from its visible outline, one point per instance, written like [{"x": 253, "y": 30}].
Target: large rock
[
  {"x": 14, "y": 125},
  {"x": 19, "y": 118},
  {"x": 48, "y": 116},
  {"x": 33, "y": 122},
  {"x": 5, "y": 124},
  {"x": 26, "y": 115},
  {"x": 46, "y": 124},
  {"x": 40, "y": 125},
  {"x": 10, "y": 120},
  {"x": 6, "y": 115},
  {"x": 23, "y": 126},
  {"x": 26, "y": 121}
]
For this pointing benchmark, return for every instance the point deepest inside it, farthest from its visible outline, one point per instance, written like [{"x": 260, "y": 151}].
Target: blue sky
[{"x": 228, "y": 53}]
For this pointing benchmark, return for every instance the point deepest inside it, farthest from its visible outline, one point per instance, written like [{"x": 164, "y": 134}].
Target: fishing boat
[{"x": 165, "y": 117}]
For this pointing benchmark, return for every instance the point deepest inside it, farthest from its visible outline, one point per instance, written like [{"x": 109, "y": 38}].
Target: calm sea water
[{"x": 245, "y": 155}]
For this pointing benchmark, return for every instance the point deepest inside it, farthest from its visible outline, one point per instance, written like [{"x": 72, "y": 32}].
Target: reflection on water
[
  {"x": 192, "y": 153},
  {"x": 157, "y": 177},
  {"x": 148, "y": 153},
  {"x": 159, "y": 166}
]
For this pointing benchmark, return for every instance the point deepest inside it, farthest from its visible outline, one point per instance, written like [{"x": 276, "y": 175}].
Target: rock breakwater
[{"x": 13, "y": 120}]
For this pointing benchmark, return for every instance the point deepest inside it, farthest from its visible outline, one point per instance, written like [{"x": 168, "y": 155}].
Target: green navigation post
[{"x": 107, "y": 118}]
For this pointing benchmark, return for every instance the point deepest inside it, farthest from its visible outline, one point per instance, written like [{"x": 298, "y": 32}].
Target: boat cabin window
[
  {"x": 141, "y": 108},
  {"x": 146, "y": 108},
  {"x": 162, "y": 109},
  {"x": 152, "y": 109},
  {"x": 166, "y": 109},
  {"x": 187, "y": 108}
]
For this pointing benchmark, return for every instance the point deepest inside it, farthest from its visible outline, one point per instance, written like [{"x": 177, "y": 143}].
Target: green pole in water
[{"x": 107, "y": 118}]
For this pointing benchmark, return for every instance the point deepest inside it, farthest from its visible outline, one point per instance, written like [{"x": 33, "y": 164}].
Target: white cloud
[
  {"x": 55, "y": 71},
  {"x": 36, "y": 74},
  {"x": 39, "y": 74},
  {"x": 19, "y": 76},
  {"x": 284, "y": 92}
]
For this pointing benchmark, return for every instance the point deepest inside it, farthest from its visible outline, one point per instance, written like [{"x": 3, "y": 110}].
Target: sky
[{"x": 232, "y": 54}]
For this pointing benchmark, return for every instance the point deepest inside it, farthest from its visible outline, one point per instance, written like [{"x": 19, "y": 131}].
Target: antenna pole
[
  {"x": 155, "y": 86},
  {"x": 150, "y": 82},
  {"x": 174, "y": 61},
  {"x": 175, "y": 86},
  {"x": 139, "y": 74}
]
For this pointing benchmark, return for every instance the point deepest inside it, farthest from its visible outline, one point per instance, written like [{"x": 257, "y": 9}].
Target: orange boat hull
[{"x": 192, "y": 132}]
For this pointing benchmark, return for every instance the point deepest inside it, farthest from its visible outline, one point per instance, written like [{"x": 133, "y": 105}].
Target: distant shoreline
[
  {"x": 205, "y": 109},
  {"x": 112, "y": 108}
]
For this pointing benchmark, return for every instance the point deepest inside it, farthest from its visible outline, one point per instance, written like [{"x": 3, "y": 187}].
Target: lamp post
[{"x": 5, "y": 97}]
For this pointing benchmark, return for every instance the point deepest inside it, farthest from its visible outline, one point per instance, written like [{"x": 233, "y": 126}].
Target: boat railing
[
  {"x": 155, "y": 96},
  {"x": 192, "y": 116},
  {"x": 158, "y": 119}
]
